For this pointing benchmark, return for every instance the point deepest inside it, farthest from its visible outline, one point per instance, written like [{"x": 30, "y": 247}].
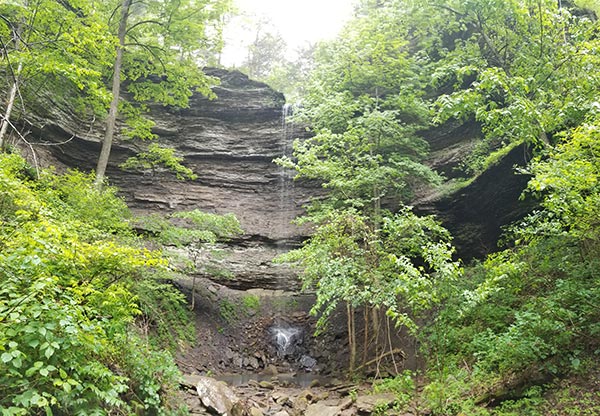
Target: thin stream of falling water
[
  {"x": 285, "y": 336},
  {"x": 286, "y": 203}
]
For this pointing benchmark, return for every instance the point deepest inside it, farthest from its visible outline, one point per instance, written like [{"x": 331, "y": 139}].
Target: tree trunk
[
  {"x": 366, "y": 335},
  {"x": 193, "y": 303},
  {"x": 116, "y": 91},
  {"x": 9, "y": 106},
  {"x": 351, "y": 337},
  {"x": 12, "y": 96}
]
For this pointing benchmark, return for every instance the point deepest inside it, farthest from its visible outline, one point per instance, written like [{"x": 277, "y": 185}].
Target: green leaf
[{"x": 49, "y": 352}]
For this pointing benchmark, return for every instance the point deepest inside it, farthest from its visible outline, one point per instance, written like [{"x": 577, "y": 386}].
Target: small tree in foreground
[{"x": 402, "y": 268}]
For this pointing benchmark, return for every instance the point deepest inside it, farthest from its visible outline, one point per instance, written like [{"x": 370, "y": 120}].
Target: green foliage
[
  {"x": 228, "y": 311},
  {"x": 216, "y": 226},
  {"x": 593, "y": 5},
  {"x": 71, "y": 197},
  {"x": 403, "y": 386},
  {"x": 165, "y": 318},
  {"x": 400, "y": 267},
  {"x": 266, "y": 51},
  {"x": 60, "y": 57},
  {"x": 197, "y": 233},
  {"x": 67, "y": 300},
  {"x": 251, "y": 303},
  {"x": 372, "y": 159},
  {"x": 526, "y": 73},
  {"x": 61, "y": 48},
  {"x": 190, "y": 228},
  {"x": 154, "y": 377},
  {"x": 524, "y": 70},
  {"x": 530, "y": 311},
  {"x": 164, "y": 41},
  {"x": 574, "y": 398},
  {"x": 156, "y": 157},
  {"x": 365, "y": 102}
]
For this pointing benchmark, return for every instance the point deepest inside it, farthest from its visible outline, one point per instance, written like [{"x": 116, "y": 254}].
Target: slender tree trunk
[
  {"x": 366, "y": 335},
  {"x": 116, "y": 91},
  {"x": 389, "y": 336},
  {"x": 9, "y": 106},
  {"x": 12, "y": 96},
  {"x": 351, "y": 337},
  {"x": 376, "y": 328},
  {"x": 193, "y": 303}
]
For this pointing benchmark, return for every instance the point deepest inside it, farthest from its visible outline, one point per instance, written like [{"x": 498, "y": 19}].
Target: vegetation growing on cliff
[
  {"x": 158, "y": 46},
  {"x": 79, "y": 292},
  {"x": 73, "y": 50}
]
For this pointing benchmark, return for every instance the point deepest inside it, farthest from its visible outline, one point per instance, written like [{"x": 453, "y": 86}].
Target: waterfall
[
  {"x": 285, "y": 336},
  {"x": 286, "y": 177}
]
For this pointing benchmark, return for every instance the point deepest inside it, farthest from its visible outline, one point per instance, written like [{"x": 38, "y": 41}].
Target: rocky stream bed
[
  {"x": 255, "y": 354},
  {"x": 279, "y": 396}
]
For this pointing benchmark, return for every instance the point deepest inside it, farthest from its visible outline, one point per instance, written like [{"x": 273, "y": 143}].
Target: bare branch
[
  {"x": 22, "y": 137},
  {"x": 490, "y": 45},
  {"x": 143, "y": 22}
]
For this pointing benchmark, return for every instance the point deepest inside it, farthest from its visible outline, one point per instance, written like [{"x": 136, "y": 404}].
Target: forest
[{"x": 89, "y": 320}]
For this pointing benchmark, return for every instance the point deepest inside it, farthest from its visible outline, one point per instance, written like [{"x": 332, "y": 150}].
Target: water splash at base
[{"x": 286, "y": 339}]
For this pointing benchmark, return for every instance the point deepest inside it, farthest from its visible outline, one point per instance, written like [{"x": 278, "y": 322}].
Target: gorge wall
[{"x": 230, "y": 143}]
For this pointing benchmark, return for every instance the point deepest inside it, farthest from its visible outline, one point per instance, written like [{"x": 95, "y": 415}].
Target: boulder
[
  {"x": 255, "y": 411},
  {"x": 217, "y": 397},
  {"x": 266, "y": 385},
  {"x": 368, "y": 403},
  {"x": 321, "y": 409}
]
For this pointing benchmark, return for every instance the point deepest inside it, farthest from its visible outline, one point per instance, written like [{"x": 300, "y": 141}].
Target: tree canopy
[{"x": 155, "y": 49}]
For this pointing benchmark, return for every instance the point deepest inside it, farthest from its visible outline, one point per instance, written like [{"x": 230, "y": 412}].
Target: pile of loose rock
[{"x": 277, "y": 397}]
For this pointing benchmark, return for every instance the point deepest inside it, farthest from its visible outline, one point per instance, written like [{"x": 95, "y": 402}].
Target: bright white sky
[{"x": 298, "y": 21}]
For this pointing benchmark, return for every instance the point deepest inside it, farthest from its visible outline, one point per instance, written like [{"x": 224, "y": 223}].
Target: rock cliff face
[
  {"x": 477, "y": 213},
  {"x": 230, "y": 143}
]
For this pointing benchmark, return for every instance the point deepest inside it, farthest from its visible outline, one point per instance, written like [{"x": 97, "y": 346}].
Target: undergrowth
[{"x": 76, "y": 286}]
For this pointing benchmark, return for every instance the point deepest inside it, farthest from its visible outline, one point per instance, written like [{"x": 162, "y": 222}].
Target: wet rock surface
[
  {"x": 237, "y": 335},
  {"x": 477, "y": 213},
  {"x": 241, "y": 347}
]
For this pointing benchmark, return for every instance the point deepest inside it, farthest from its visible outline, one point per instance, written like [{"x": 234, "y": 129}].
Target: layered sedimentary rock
[
  {"x": 230, "y": 143},
  {"x": 477, "y": 214}
]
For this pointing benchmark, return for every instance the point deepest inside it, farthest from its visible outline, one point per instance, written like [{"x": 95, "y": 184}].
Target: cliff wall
[{"x": 230, "y": 143}]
